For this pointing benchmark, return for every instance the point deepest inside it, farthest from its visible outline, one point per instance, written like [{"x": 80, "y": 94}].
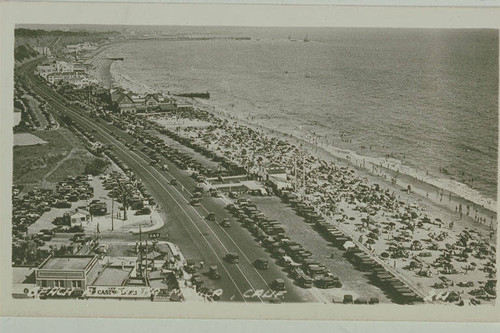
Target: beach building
[
  {"x": 43, "y": 50},
  {"x": 81, "y": 81},
  {"x": 272, "y": 168},
  {"x": 67, "y": 272},
  {"x": 75, "y": 48},
  {"x": 131, "y": 103},
  {"x": 64, "y": 66},
  {"x": 275, "y": 173},
  {"x": 123, "y": 101},
  {"x": 45, "y": 69},
  {"x": 184, "y": 106},
  {"x": 151, "y": 101},
  {"x": 79, "y": 217},
  {"x": 58, "y": 77}
]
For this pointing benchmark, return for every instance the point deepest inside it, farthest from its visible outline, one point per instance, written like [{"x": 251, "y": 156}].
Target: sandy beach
[
  {"x": 451, "y": 193},
  {"x": 417, "y": 228},
  {"x": 392, "y": 167},
  {"x": 422, "y": 185},
  {"x": 450, "y": 215}
]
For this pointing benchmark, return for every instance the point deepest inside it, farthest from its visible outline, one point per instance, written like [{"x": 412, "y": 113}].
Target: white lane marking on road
[
  {"x": 315, "y": 295},
  {"x": 222, "y": 264},
  {"x": 107, "y": 135},
  {"x": 196, "y": 212}
]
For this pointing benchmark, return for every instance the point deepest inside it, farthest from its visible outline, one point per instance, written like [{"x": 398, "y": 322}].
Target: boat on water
[{"x": 306, "y": 39}]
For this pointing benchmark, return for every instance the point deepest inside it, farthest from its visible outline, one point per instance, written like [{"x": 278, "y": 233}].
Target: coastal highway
[{"x": 186, "y": 225}]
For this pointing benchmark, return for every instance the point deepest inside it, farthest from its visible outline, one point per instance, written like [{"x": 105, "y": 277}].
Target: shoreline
[
  {"x": 424, "y": 185},
  {"x": 347, "y": 158},
  {"x": 444, "y": 229}
]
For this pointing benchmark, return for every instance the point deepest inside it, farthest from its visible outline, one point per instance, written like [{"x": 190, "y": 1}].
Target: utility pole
[
  {"x": 295, "y": 172},
  {"x": 304, "y": 171},
  {"x": 112, "y": 214},
  {"x": 146, "y": 274}
]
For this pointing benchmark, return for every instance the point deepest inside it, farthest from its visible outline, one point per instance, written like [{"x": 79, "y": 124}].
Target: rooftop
[
  {"x": 113, "y": 276},
  {"x": 69, "y": 262}
]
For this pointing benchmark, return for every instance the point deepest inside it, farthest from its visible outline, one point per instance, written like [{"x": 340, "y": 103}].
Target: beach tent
[{"x": 349, "y": 244}]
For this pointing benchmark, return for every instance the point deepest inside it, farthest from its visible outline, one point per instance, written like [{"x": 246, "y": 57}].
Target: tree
[
  {"x": 96, "y": 166},
  {"x": 125, "y": 193}
]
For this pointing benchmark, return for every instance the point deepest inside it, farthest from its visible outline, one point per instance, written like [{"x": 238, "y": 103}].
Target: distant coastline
[{"x": 419, "y": 180}]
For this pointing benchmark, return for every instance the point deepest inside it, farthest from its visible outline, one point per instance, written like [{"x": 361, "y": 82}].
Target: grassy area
[
  {"x": 70, "y": 167},
  {"x": 63, "y": 156}
]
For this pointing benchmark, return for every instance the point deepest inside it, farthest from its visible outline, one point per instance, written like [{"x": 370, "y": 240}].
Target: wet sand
[
  {"x": 420, "y": 188},
  {"x": 432, "y": 200}
]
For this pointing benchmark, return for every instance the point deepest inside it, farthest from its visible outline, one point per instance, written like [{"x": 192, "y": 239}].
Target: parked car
[
  {"x": 278, "y": 285},
  {"x": 225, "y": 223},
  {"x": 213, "y": 273},
  {"x": 143, "y": 211}
]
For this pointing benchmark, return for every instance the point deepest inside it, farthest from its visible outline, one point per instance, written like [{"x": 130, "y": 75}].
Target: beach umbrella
[{"x": 349, "y": 244}]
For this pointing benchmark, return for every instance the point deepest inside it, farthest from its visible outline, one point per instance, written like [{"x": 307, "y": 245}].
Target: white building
[
  {"x": 81, "y": 47},
  {"x": 63, "y": 66},
  {"x": 79, "y": 218},
  {"x": 44, "y": 50},
  {"x": 46, "y": 69}
]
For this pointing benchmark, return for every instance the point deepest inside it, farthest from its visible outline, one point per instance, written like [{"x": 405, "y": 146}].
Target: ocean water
[{"x": 428, "y": 97}]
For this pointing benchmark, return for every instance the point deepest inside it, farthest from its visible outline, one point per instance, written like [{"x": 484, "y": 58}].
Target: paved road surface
[{"x": 186, "y": 225}]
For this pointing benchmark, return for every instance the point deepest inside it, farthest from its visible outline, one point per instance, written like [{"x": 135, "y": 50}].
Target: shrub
[{"x": 96, "y": 166}]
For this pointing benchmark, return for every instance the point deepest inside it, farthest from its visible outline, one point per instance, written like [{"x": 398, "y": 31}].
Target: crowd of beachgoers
[
  {"x": 438, "y": 250},
  {"x": 440, "y": 246}
]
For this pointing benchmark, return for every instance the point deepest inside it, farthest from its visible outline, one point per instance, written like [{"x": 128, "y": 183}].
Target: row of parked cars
[
  {"x": 228, "y": 167},
  {"x": 361, "y": 260},
  {"x": 271, "y": 234},
  {"x": 155, "y": 147},
  {"x": 27, "y": 208}
]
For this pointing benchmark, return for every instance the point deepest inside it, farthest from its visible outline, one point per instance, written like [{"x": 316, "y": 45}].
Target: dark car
[
  {"x": 278, "y": 285},
  {"x": 262, "y": 263},
  {"x": 190, "y": 266},
  {"x": 213, "y": 273},
  {"x": 233, "y": 257},
  {"x": 143, "y": 211}
]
